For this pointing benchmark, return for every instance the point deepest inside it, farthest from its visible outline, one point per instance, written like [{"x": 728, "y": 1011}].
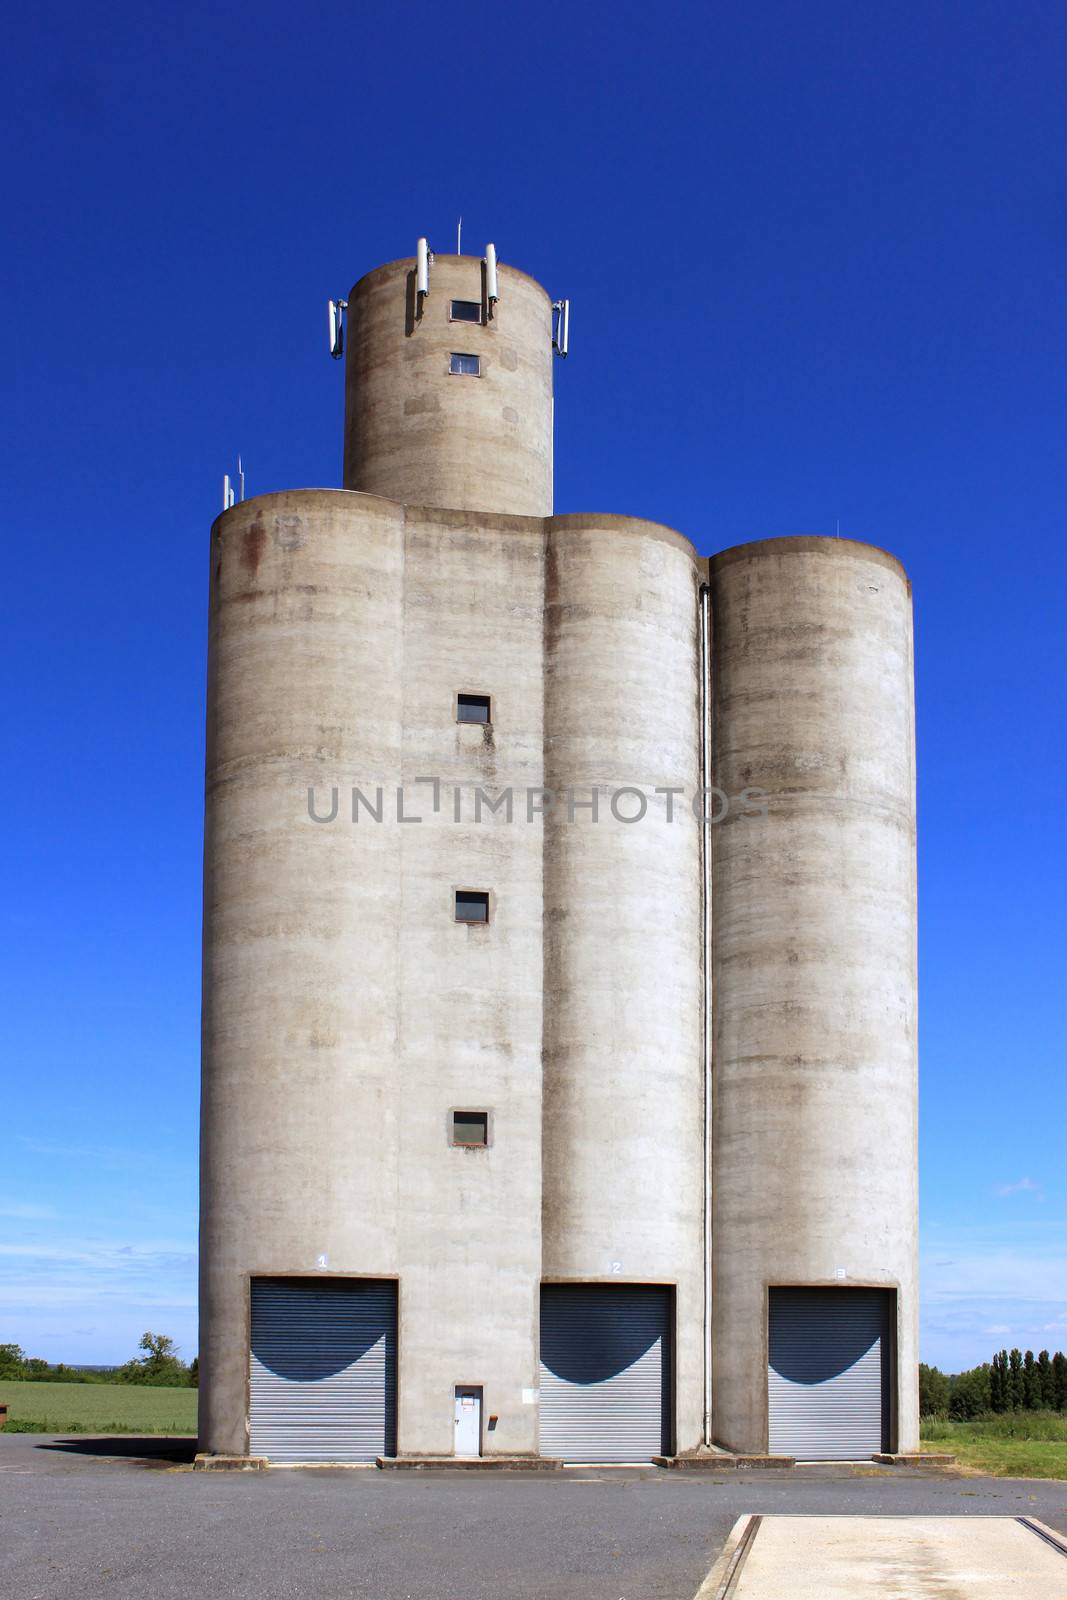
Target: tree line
[
  {"x": 160, "y": 1366},
  {"x": 1013, "y": 1381}
]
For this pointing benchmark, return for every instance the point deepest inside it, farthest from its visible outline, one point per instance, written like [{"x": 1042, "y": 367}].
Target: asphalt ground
[{"x": 121, "y": 1518}]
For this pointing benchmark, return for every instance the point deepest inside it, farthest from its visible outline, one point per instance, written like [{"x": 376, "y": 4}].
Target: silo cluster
[{"x": 549, "y": 1111}]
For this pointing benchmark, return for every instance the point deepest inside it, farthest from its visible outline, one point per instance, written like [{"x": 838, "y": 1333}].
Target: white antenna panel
[{"x": 337, "y": 328}]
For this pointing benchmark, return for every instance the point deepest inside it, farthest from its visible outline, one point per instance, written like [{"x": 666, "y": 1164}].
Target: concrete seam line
[
  {"x": 1050, "y": 1536},
  {"x": 721, "y": 1581}
]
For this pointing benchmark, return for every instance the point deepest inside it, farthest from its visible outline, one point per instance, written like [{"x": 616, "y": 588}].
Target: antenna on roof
[
  {"x": 227, "y": 492},
  {"x": 492, "y": 293},
  {"x": 337, "y": 328},
  {"x": 459, "y": 237},
  {"x": 241, "y": 476},
  {"x": 422, "y": 267},
  {"x": 561, "y": 333}
]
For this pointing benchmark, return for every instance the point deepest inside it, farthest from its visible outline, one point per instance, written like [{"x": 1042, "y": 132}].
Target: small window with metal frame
[
  {"x": 472, "y": 905},
  {"x": 473, "y": 708},
  {"x": 466, "y": 366},
  {"x": 465, "y": 311},
  {"x": 470, "y": 1129}
]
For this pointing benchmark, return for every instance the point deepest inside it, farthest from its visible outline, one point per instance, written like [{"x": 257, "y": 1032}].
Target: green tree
[
  {"x": 933, "y": 1391},
  {"x": 12, "y": 1361},
  {"x": 969, "y": 1396},
  {"x": 1015, "y": 1381},
  {"x": 1059, "y": 1377},
  {"x": 159, "y": 1364},
  {"x": 996, "y": 1384},
  {"x": 1046, "y": 1383},
  {"x": 1031, "y": 1392},
  {"x": 193, "y": 1378}
]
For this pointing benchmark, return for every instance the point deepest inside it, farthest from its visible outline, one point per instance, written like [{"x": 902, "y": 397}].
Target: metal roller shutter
[
  {"x": 605, "y": 1372},
  {"x": 322, "y": 1370},
  {"x": 828, "y": 1373}
]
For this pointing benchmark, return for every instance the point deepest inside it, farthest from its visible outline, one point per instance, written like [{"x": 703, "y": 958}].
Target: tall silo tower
[
  {"x": 814, "y": 1157},
  {"x": 452, "y": 1143},
  {"x": 549, "y": 1111}
]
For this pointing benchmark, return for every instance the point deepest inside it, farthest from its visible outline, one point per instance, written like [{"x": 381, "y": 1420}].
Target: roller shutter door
[
  {"x": 322, "y": 1378},
  {"x": 605, "y": 1372},
  {"x": 828, "y": 1379}
]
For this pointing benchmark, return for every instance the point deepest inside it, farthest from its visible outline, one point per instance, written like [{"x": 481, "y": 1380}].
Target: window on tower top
[
  {"x": 465, "y": 311},
  {"x": 467, "y": 366}
]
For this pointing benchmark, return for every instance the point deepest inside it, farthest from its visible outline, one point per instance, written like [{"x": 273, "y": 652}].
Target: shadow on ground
[{"x": 153, "y": 1450}]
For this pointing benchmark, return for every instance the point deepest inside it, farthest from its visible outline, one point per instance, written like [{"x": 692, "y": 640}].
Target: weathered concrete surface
[
  {"x": 417, "y": 432},
  {"x": 623, "y": 1191},
  {"x": 333, "y": 1047},
  {"x": 469, "y": 997},
  {"x": 814, "y": 975},
  {"x": 722, "y": 1461},
  {"x": 346, "y": 1012},
  {"x": 469, "y": 1464},
  {"x": 299, "y": 1110},
  {"x": 901, "y": 1558}
]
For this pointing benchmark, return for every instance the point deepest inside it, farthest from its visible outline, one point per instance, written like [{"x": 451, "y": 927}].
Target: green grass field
[
  {"x": 1013, "y": 1444},
  {"x": 97, "y": 1408}
]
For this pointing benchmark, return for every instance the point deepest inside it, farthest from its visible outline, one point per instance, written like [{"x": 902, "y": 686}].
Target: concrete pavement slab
[{"x": 895, "y": 1558}]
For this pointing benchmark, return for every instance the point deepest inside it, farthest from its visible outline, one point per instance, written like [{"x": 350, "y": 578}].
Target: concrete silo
[
  {"x": 528, "y": 1132},
  {"x": 623, "y": 1153},
  {"x": 348, "y": 1015},
  {"x": 416, "y": 428},
  {"x": 814, "y": 985}
]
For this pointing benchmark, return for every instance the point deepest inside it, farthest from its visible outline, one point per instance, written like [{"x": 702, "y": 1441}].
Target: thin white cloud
[
  {"x": 83, "y": 1298},
  {"x": 1024, "y": 1186},
  {"x": 992, "y": 1283}
]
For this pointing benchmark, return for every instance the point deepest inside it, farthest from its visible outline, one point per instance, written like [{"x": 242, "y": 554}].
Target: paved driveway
[
  {"x": 893, "y": 1558},
  {"x": 78, "y": 1522}
]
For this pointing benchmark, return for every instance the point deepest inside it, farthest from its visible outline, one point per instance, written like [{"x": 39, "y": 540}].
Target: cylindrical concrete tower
[
  {"x": 814, "y": 979},
  {"x": 300, "y": 1005},
  {"x": 466, "y": 1149},
  {"x": 622, "y": 1162},
  {"x": 448, "y": 396}
]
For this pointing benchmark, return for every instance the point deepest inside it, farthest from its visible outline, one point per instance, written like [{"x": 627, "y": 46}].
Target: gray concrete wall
[
  {"x": 470, "y": 996},
  {"x": 300, "y": 1115},
  {"x": 623, "y": 1086},
  {"x": 346, "y": 1012},
  {"x": 814, "y": 974},
  {"x": 422, "y": 435}
]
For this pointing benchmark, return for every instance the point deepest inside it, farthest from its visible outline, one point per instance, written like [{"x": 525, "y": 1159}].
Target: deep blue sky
[{"x": 816, "y": 255}]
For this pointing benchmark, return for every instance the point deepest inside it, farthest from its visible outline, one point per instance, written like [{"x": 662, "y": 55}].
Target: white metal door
[
  {"x": 605, "y": 1372},
  {"x": 828, "y": 1378},
  {"x": 322, "y": 1378},
  {"x": 468, "y": 1432}
]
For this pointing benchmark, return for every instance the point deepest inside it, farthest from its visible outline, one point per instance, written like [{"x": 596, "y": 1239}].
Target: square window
[
  {"x": 473, "y": 708},
  {"x": 465, "y": 311},
  {"x": 472, "y": 905},
  {"x": 470, "y": 1128},
  {"x": 467, "y": 366}
]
